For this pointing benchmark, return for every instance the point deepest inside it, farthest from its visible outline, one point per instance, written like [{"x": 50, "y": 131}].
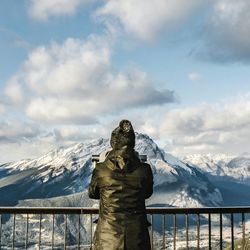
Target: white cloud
[
  {"x": 13, "y": 90},
  {"x": 193, "y": 76},
  {"x": 57, "y": 110},
  {"x": 145, "y": 19},
  {"x": 226, "y": 34},
  {"x": 16, "y": 130},
  {"x": 73, "y": 133},
  {"x": 2, "y": 108},
  {"x": 14, "y": 151},
  {"x": 25, "y": 139},
  {"x": 75, "y": 82},
  {"x": 222, "y": 127},
  {"x": 44, "y": 9},
  {"x": 222, "y": 32},
  {"x": 223, "y": 29},
  {"x": 209, "y": 128}
]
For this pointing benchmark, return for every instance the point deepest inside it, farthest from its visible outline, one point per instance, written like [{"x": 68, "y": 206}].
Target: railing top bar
[
  {"x": 201, "y": 210},
  {"x": 150, "y": 210},
  {"x": 48, "y": 210}
]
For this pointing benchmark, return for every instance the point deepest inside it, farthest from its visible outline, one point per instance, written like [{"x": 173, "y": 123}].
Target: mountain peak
[{"x": 68, "y": 169}]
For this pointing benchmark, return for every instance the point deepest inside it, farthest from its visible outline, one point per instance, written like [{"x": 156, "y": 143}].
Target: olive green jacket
[{"x": 122, "y": 222}]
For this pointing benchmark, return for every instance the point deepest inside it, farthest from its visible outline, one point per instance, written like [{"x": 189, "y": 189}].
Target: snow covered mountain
[
  {"x": 60, "y": 172},
  {"x": 229, "y": 173},
  {"x": 67, "y": 171},
  {"x": 229, "y": 167}
]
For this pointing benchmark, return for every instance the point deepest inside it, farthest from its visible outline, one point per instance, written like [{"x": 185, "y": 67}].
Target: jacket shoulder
[
  {"x": 99, "y": 166},
  {"x": 145, "y": 165}
]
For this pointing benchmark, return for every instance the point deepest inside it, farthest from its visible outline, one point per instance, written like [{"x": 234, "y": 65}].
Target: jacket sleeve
[
  {"x": 94, "y": 192},
  {"x": 149, "y": 182}
]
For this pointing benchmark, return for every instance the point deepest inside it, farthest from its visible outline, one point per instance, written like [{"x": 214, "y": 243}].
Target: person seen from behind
[{"x": 122, "y": 183}]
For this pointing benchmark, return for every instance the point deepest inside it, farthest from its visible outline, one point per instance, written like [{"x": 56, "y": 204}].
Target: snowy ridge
[
  {"x": 62, "y": 158},
  {"x": 67, "y": 170},
  {"x": 231, "y": 167},
  {"x": 173, "y": 177}
]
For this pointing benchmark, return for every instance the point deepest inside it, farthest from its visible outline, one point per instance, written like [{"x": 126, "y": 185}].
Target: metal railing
[{"x": 171, "y": 228}]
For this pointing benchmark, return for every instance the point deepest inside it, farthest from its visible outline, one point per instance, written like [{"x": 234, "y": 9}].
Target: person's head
[{"x": 123, "y": 136}]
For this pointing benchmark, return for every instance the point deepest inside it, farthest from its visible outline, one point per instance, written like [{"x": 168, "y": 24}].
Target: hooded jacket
[{"x": 122, "y": 183}]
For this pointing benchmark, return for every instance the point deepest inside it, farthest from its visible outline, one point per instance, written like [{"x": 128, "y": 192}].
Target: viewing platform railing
[{"x": 171, "y": 228}]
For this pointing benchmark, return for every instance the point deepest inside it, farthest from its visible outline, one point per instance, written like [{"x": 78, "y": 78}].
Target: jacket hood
[{"x": 125, "y": 159}]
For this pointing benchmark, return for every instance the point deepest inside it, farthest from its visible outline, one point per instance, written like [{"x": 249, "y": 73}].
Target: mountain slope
[
  {"x": 224, "y": 167},
  {"x": 66, "y": 171},
  {"x": 62, "y": 171},
  {"x": 230, "y": 174}
]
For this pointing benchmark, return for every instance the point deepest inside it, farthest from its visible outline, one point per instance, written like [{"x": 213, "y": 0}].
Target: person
[{"x": 122, "y": 183}]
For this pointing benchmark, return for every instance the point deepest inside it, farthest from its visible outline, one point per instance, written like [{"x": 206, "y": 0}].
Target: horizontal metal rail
[
  {"x": 166, "y": 231},
  {"x": 149, "y": 210}
]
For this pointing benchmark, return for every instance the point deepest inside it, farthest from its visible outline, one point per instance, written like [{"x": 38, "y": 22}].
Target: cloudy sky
[{"x": 70, "y": 70}]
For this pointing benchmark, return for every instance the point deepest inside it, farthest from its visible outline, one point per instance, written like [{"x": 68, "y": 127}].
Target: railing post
[
  {"x": 174, "y": 231},
  {"x": 152, "y": 232},
  {"x": 27, "y": 231},
  {"x": 40, "y": 231},
  {"x": 53, "y": 229},
  {"x": 91, "y": 229},
  {"x": 187, "y": 236},
  {"x": 209, "y": 231},
  {"x": 198, "y": 231},
  {"x": 221, "y": 237},
  {"x": 232, "y": 230},
  {"x": 14, "y": 230},
  {"x": 243, "y": 230},
  {"x": 163, "y": 231},
  {"x": 65, "y": 231},
  {"x": 1, "y": 231},
  {"x": 79, "y": 232}
]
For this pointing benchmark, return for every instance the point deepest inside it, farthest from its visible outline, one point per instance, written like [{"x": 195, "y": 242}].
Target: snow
[
  {"x": 67, "y": 170},
  {"x": 237, "y": 168}
]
